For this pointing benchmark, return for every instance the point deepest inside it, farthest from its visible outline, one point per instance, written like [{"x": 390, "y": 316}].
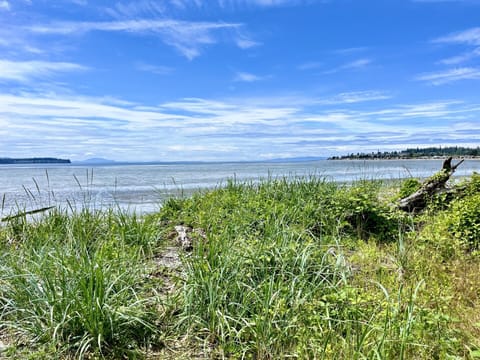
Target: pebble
[{"x": 3, "y": 347}]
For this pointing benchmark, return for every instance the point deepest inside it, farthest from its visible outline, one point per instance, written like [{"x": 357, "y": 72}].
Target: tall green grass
[
  {"x": 289, "y": 268},
  {"x": 77, "y": 282},
  {"x": 306, "y": 268}
]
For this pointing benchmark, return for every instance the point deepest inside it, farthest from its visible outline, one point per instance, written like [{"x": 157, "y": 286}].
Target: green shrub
[
  {"x": 408, "y": 187},
  {"x": 464, "y": 221},
  {"x": 364, "y": 214},
  {"x": 473, "y": 184}
]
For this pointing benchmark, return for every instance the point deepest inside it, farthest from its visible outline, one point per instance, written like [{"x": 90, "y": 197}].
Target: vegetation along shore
[
  {"x": 286, "y": 268},
  {"x": 37, "y": 160},
  {"x": 415, "y": 153}
]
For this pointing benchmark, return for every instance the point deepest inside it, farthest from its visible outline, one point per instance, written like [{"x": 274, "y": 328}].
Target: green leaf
[{"x": 475, "y": 354}]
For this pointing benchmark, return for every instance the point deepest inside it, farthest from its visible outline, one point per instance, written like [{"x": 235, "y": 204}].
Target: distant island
[
  {"x": 416, "y": 153},
  {"x": 43, "y": 160}
]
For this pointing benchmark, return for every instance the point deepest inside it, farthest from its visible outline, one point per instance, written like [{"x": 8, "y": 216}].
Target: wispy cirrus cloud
[
  {"x": 468, "y": 37},
  {"x": 27, "y": 70},
  {"x": 245, "y": 43},
  {"x": 352, "y": 65},
  {"x": 224, "y": 128},
  {"x": 134, "y": 26},
  {"x": 355, "y": 97},
  {"x": 451, "y": 75},
  {"x": 263, "y": 3},
  {"x": 154, "y": 8},
  {"x": 357, "y": 64},
  {"x": 142, "y": 8},
  {"x": 464, "y": 57},
  {"x": 147, "y": 9},
  {"x": 247, "y": 77},
  {"x": 188, "y": 37}
]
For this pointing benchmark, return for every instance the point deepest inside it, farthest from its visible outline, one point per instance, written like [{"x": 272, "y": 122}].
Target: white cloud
[
  {"x": 262, "y": 3},
  {"x": 355, "y": 97},
  {"x": 247, "y": 77},
  {"x": 244, "y": 43},
  {"x": 179, "y": 3},
  {"x": 27, "y": 70},
  {"x": 353, "y": 65},
  {"x": 228, "y": 129},
  {"x": 134, "y": 26},
  {"x": 186, "y": 36},
  {"x": 357, "y": 64},
  {"x": 451, "y": 75},
  {"x": 95, "y": 109},
  {"x": 454, "y": 60},
  {"x": 143, "y": 8},
  {"x": 200, "y": 148},
  {"x": 154, "y": 8},
  {"x": 469, "y": 37},
  {"x": 4, "y": 5}
]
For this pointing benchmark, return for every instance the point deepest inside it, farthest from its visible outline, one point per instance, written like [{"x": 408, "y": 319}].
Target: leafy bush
[
  {"x": 364, "y": 214},
  {"x": 473, "y": 184},
  {"x": 464, "y": 221},
  {"x": 408, "y": 187}
]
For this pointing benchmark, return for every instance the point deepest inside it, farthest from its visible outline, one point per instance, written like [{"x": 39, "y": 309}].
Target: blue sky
[{"x": 236, "y": 79}]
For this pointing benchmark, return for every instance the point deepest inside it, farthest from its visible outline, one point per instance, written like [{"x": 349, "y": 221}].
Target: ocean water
[{"x": 143, "y": 188}]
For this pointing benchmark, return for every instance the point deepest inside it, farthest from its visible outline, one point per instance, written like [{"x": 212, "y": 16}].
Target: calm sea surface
[{"x": 142, "y": 188}]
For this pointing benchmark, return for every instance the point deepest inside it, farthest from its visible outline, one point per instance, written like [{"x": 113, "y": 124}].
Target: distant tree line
[
  {"x": 44, "y": 160},
  {"x": 413, "y": 153}
]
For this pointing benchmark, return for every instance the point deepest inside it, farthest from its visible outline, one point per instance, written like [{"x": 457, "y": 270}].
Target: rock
[
  {"x": 183, "y": 239},
  {"x": 3, "y": 347}
]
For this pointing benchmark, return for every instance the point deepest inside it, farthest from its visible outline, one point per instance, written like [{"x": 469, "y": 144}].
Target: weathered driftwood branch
[
  {"x": 434, "y": 185},
  {"x": 24, "y": 213}
]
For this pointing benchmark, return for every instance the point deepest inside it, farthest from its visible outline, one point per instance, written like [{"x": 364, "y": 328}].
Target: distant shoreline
[
  {"x": 430, "y": 153},
  {"x": 442, "y": 157},
  {"x": 13, "y": 161}
]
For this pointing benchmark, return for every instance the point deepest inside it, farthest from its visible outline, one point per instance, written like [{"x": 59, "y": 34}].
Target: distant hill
[
  {"x": 43, "y": 160},
  {"x": 95, "y": 161}
]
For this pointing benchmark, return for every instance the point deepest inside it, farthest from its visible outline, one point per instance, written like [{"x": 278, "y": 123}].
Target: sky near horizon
[{"x": 223, "y": 80}]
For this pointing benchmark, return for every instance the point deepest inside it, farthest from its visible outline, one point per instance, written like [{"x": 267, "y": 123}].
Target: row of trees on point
[{"x": 413, "y": 153}]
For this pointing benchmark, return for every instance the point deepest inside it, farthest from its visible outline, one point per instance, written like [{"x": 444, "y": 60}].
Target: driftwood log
[{"x": 434, "y": 185}]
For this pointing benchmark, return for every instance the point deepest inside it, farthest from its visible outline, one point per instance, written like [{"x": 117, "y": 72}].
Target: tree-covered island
[
  {"x": 40, "y": 160},
  {"x": 414, "y": 153}
]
